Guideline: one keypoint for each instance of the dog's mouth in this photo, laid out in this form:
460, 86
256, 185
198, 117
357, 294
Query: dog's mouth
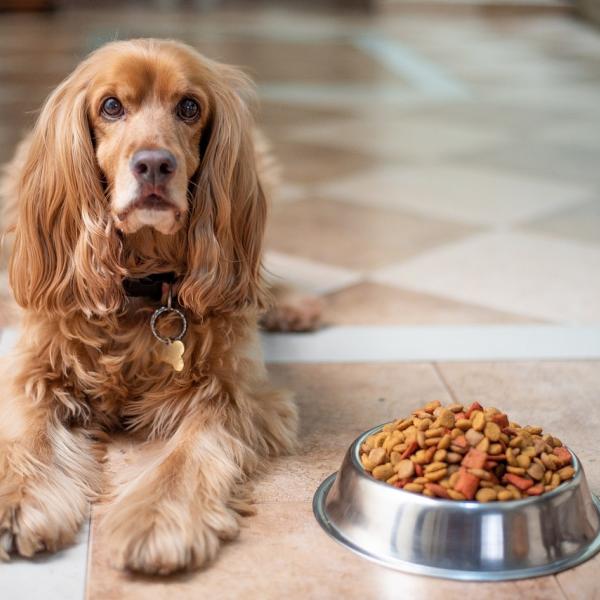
153, 202
151, 208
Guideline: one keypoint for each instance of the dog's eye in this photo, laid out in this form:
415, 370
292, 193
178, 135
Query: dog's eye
112, 108
188, 109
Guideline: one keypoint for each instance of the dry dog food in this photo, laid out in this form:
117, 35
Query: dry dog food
460, 453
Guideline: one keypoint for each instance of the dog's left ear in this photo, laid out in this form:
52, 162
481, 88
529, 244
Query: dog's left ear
228, 207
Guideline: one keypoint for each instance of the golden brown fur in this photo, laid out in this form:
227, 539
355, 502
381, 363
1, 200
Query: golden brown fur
87, 360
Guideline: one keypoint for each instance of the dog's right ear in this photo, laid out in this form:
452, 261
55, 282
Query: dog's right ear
65, 253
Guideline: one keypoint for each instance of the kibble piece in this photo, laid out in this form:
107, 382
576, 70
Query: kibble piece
435, 466
383, 472
484, 445
377, 456
505, 495
521, 483
405, 469
437, 490
566, 473
467, 484
536, 472
463, 424
473, 437
492, 431
486, 495
455, 495
478, 420
495, 449
453, 457
445, 419
440, 455
413, 487
431, 406
474, 459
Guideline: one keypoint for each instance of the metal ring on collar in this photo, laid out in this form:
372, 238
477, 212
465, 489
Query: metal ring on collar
161, 311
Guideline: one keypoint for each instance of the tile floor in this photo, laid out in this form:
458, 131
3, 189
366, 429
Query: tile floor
440, 169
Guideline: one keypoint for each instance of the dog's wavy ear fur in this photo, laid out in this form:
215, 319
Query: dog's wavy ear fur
65, 254
228, 206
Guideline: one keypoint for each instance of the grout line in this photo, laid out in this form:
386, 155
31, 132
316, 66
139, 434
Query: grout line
408, 64
444, 381
560, 587
88, 557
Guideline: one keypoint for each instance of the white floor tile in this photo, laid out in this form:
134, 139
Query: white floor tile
446, 343
306, 275
527, 274
475, 196
59, 576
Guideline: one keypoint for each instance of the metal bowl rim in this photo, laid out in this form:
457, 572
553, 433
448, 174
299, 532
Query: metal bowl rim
470, 505
318, 505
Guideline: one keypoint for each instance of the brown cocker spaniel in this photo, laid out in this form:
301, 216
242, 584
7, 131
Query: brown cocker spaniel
139, 189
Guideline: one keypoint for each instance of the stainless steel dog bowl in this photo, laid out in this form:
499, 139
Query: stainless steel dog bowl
458, 540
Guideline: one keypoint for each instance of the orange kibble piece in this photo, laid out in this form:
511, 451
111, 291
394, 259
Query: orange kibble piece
467, 484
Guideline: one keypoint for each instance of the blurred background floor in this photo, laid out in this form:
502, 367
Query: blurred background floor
440, 167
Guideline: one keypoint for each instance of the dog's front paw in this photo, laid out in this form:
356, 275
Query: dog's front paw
38, 515
164, 537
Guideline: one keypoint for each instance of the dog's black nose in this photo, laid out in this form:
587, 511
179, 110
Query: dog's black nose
153, 166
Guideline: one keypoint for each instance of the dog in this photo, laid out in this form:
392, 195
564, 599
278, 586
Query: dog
138, 205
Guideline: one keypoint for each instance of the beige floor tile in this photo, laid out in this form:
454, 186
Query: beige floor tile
313, 163
528, 274
582, 582
282, 553
355, 237
416, 139
476, 196
561, 397
368, 303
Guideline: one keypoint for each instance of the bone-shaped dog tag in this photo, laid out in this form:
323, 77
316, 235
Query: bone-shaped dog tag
172, 354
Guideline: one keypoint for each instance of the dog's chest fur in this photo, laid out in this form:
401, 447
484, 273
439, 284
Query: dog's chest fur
113, 367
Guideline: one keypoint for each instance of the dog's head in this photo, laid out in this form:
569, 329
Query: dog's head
144, 133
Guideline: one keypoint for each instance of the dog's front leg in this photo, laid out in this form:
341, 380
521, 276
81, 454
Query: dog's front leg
48, 472
175, 507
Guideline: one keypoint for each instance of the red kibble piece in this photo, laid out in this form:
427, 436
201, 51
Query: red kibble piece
519, 482
501, 420
467, 484
474, 406
460, 441
410, 450
563, 455
490, 464
460, 415
474, 459
439, 490
419, 470
535, 490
